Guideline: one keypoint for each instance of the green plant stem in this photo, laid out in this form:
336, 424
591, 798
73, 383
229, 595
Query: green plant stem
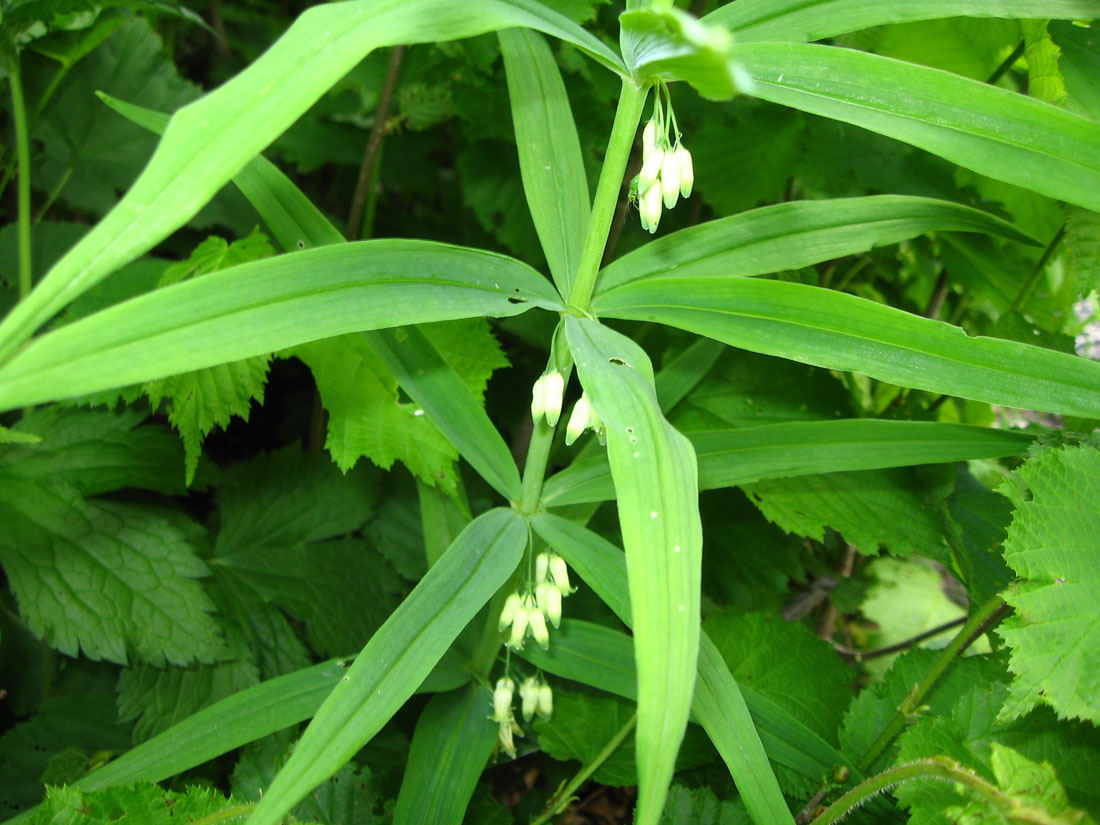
560, 800
979, 622
627, 115
236, 812
534, 467
23, 154
1037, 270
1006, 64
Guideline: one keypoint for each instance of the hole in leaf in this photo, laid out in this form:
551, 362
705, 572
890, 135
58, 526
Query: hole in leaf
517, 300
618, 362
301, 244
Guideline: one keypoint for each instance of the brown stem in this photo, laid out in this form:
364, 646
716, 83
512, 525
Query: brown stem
374, 142
863, 655
939, 295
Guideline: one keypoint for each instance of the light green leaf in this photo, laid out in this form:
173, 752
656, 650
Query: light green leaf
838, 331
669, 44
1082, 246
147, 804
699, 806
657, 491
799, 20
452, 742
1079, 64
422, 371
266, 306
797, 234
549, 151
108, 579
749, 454
991, 130
1054, 633
399, 656
1044, 79
210, 140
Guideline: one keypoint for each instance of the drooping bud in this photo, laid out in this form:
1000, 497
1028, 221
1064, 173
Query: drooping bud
508, 612
559, 573
502, 699
651, 170
542, 566
553, 389
505, 735
546, 701
538, 399
687, 171
649, 138
578, 419
550, 602
670, 179
529, 694
539, 629
519, 627
650, 208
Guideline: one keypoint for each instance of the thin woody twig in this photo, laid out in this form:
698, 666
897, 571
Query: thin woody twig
863, 655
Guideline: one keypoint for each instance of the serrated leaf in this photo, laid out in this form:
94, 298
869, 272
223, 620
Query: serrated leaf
1079, 64
869, 508
1082, 243
1045, 79
350, 797
107, 579
147, 804
1054, 633
699, 806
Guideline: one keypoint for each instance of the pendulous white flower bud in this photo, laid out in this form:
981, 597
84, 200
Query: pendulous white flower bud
546, 701
649, 138
529, 694
553, 387
508, 612
670, 179
687, 172
502, 699
519, 627
651, 169
542, 567
578, 420
551, 604
650, 208
559, 573
539, 629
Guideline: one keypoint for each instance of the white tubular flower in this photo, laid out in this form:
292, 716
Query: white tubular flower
519, 627
553, 385
529, 694
542, 566
670, 178
507, 729
578, 420
546, 701
559, 574
649, 138
687, 172
551, 604
502, 700
651, 169
650, 208
508, 612
539, 629
538, 399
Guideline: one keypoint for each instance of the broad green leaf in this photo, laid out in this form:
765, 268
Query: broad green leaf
700, 806
682, 373
249, 715
581, 650
991, 130
269, 305
799, 20
1053, 633
138, 803
452, 742
549, 151
796, 234
449, 403
1044, 79
1079, 63
749, 454
1082, 245
399, 656
669, 44
112, 580
657, 491
210, 140
351, 795
718, 704
839, 331
97, 452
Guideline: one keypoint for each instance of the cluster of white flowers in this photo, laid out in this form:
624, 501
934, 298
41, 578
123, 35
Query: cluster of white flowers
667, 172
528, 614
583, 418
535, 697
546, 397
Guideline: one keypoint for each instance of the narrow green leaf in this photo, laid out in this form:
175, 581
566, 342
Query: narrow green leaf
399, 656
550, 159
452, 742
210, 140
449, 403
797, 234
993, 131
744, 455
590, 654
799, 20
681, 374
269, 305
655, 481
838, 331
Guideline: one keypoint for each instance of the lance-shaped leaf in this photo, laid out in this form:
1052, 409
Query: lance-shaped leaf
550, 161
452, 742
837, 331
655, 481
210, 140
799, 20
269, 305
744, 455
993, 131
797, 234
449, 403
399, 656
